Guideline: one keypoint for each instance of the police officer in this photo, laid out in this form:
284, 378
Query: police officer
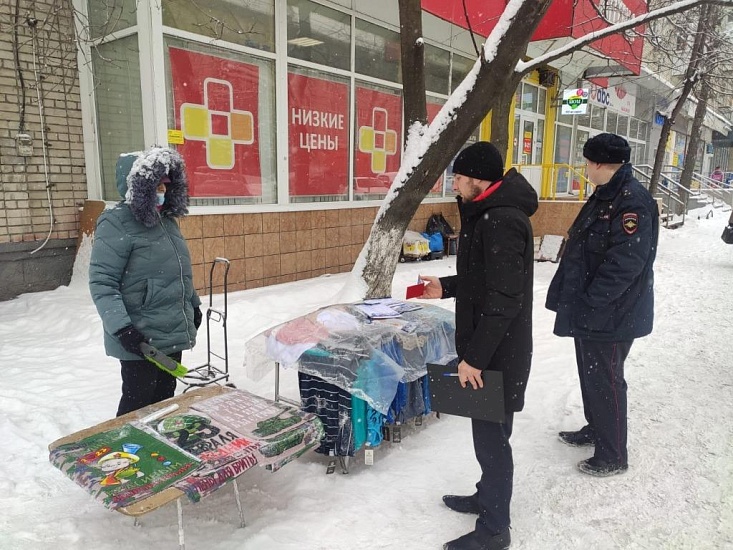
603, 294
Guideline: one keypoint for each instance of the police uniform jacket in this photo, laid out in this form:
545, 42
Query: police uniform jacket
604, 286
493, 284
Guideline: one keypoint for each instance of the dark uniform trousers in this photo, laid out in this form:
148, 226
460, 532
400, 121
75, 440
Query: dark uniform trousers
603, 387
494, 455
144, 384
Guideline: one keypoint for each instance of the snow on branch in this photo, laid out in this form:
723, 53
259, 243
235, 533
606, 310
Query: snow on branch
524, 67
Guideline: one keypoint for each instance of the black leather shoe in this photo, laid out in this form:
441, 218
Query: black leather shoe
464, 505
581, 438
600, 468
474, 541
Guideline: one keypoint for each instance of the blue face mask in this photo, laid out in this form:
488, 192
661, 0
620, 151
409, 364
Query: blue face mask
160, 198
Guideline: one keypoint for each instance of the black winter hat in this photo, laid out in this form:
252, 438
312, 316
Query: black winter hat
607, 149
481, 161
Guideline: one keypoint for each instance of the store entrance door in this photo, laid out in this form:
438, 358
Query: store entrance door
528, 132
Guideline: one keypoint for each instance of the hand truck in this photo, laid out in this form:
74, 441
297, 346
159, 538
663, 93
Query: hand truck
207, 373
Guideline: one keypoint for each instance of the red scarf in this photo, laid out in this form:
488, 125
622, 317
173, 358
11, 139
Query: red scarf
490, 189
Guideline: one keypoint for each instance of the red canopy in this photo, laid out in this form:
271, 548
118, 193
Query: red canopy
564, 19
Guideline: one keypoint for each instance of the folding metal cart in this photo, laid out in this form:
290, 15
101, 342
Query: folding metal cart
208, 373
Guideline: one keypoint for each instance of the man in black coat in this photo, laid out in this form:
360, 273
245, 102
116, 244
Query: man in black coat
603, 294
493, 292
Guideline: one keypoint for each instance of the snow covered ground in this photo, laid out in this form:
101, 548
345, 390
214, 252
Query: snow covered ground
677, 494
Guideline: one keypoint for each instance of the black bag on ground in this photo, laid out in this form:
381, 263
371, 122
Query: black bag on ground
727, 235
438, 224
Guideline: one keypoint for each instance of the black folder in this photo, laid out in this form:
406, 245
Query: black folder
447, 396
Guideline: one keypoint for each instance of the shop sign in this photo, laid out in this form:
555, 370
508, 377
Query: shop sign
575, 101
616, 98
318, 130
175, 137
527, 147
215, 101
378, 140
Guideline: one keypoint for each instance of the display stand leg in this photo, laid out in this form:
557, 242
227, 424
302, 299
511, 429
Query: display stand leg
279, 397
239, 503
181, 541
344, 461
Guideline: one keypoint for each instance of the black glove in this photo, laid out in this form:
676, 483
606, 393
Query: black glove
131, 338
197, 317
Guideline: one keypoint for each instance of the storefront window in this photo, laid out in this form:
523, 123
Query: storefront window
597, 117
319, 34
541, 99
107, 16
563, 136
460, 67
223, 103
565, 119
529, 98
643, 129
377, 52
318, 130
622, 127
245, 22
634, 128
116, 67
378, 140
437, 66
584, 119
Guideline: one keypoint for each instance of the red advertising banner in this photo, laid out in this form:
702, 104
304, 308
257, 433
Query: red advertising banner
318, 129
216, 102
378, 140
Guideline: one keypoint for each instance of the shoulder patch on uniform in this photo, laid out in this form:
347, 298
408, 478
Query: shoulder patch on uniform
630, 222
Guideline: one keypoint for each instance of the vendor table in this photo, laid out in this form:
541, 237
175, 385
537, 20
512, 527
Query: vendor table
358, 362
189, 445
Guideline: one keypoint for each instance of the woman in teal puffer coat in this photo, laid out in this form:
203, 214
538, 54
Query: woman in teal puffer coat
140, 274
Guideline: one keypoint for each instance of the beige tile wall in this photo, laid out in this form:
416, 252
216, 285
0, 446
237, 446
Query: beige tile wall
272, 248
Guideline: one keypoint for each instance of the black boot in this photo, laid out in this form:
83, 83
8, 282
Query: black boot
601, 468
464, 505
581, 438
474, 541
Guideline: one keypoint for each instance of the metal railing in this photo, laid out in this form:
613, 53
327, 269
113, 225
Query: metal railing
669, 190
674, 196
712, 190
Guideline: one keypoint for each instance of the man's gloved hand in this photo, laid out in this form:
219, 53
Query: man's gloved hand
197, 317
131, 338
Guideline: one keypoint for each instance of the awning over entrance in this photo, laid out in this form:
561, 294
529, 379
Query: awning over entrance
564, 19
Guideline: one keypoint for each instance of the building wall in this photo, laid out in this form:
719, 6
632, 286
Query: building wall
46, 68
280, 247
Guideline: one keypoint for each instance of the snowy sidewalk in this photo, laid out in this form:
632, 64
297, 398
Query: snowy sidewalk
678, 493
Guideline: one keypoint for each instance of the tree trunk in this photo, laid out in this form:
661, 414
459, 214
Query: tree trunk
500, 119
431, 148
691, 78
413, 63
694, 143
374, 270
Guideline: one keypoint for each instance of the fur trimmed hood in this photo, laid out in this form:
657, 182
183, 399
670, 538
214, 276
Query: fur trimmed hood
138, 175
